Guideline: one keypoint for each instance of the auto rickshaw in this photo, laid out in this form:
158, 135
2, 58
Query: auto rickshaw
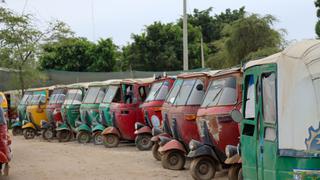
126, 113
4, 105
280, 119
22, 113
70, 111
182, 119
53, 112
36, 112
5, 142
151, 109
13, 99
89, 111
216, 127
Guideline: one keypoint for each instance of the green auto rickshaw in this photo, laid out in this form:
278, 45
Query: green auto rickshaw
22, 114
70, 112
89, 111
280, 119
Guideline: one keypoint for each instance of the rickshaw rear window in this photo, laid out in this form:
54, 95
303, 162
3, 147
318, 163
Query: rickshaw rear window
269, 97
221, 92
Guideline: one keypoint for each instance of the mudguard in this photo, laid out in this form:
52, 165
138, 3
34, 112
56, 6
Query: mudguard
84, 127
172, 145
28, 125
203, 150
17, 124
157, 138
3, 158
143, 130
111, 130
63, 127
98, 127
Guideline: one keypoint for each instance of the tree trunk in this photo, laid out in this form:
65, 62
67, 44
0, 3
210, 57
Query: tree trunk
22, 86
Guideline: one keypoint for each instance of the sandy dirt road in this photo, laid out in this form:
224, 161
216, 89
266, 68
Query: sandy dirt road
41, 160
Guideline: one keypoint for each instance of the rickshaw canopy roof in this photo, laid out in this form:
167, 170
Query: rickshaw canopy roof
198, 74
138, 81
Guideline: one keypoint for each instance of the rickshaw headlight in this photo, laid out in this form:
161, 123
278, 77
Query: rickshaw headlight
231, 150
193, 145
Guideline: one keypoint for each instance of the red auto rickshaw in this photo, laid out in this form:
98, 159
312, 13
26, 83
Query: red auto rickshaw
216, 127
53, 111
127, 112
5, 142
186, 97
151, 109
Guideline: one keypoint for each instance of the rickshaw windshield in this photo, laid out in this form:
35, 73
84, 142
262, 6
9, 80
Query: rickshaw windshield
74, 96
37, 98
57, 97
26, 98
111, 92
221, 92
94, 95
189, 94
174, 91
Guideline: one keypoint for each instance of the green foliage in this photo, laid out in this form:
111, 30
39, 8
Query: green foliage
79, 54
317, 4
246, 38
20, 40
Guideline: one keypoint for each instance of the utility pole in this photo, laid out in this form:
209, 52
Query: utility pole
202, 53
185, 37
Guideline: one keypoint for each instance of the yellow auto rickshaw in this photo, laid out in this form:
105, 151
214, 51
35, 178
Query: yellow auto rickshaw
4, 105
36, 112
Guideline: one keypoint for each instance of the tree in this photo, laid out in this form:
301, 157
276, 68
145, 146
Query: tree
246, 38
317, 4
20, 40
159, 48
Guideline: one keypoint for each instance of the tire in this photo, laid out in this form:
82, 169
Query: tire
29, 133
16, 131
83, 137
173, 160
240, 175
48, 134
156, 154
110, 140
233, 172
98, 138
64, 135
143, 142
202, 168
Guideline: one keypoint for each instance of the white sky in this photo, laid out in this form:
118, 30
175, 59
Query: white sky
119, 18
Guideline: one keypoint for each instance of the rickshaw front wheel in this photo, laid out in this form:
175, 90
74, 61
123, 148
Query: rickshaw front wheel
173, 160
202, 168
64, 135
143, 142
111, 140
83, 137
98, 138
233, 172
47, 134
29, 133
17, 131
156, 154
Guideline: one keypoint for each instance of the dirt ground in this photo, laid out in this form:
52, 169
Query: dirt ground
41, 160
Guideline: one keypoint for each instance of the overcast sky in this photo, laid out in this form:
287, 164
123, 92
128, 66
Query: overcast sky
117, 19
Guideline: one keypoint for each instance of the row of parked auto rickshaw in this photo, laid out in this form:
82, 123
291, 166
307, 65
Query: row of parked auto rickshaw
260, 121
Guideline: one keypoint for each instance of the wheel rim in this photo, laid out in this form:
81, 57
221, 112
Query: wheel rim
110, 139
48, 134
63, 135
29, 133
84, 137
204, 168
98, 139
173, 159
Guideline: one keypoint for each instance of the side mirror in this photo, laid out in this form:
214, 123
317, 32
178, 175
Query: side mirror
236, 115
199, 87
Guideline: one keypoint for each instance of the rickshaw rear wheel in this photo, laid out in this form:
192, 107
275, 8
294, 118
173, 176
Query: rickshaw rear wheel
29, 133
64, 135
143, 142
156, 154
240, 175
98, 138
173, 160
17, 131
48, 134
202, 168
83, 137
111, 140
233, 172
